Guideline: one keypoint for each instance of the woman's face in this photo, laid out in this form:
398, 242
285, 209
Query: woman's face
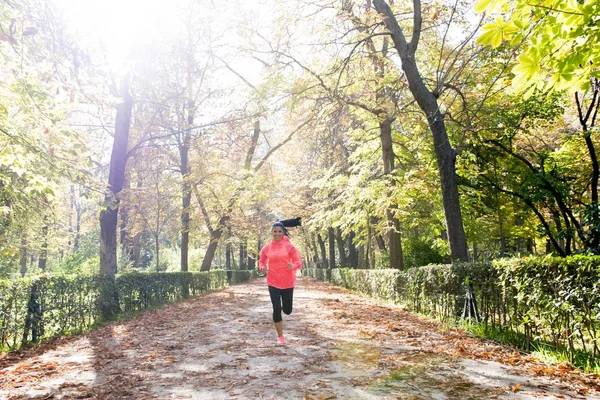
277, 233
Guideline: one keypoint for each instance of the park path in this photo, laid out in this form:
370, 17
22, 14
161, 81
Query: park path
340, 346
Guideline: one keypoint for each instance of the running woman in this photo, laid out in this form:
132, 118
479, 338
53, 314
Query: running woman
281, 260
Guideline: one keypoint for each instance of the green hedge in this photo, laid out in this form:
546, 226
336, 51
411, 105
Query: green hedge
32, 309
543, 299
236, 277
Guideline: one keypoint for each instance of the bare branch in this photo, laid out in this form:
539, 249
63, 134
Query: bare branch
417, 23
287, 139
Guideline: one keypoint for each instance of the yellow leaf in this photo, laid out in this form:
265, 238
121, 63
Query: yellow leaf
516, 387
488, 6
492, 35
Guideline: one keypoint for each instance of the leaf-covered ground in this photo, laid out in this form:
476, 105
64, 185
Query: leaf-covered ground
340, 345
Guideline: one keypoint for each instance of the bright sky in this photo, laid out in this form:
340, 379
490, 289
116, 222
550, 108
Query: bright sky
118, 24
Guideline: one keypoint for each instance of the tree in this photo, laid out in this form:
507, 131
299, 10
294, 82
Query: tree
118, 161
427, 101
558, 52
40, 151
109, 215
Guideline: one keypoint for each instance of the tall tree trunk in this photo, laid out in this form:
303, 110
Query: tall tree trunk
109, 216
371, 260
352, 252
500, 222
42, 261
323, 251
157, 251
587, 126
23, 255
341, 248
501, 232
251, 259
317, 259
71, 210
210, 251
134, 249
380, 242
243, 254
77, 226
228, 253
186, 198
215, 237
184, 167
362, 257
310, 252
331, 236
393, 229
124, 240
427, 101
134, 252
116, 177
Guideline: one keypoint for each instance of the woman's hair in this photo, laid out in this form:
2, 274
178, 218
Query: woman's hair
280, 225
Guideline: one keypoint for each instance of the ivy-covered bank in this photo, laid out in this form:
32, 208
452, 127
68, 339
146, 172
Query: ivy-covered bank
549, 301
37, 308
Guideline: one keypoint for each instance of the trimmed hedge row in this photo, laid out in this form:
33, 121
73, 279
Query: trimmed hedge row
544, 299
47, 306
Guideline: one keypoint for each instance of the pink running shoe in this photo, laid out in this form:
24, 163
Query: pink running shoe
280, 340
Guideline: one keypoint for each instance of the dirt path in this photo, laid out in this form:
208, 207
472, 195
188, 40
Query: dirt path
340, 345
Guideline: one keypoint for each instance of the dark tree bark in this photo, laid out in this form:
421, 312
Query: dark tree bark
124, 240
243, 255
341, 243
184, 141
23, 256
135, 251
363, 262
42, 261
318, 262
323, 250
393, 230
71, 210
186, 197
352, 251
77, 225
587, 119
215, 236
250, 259
380, 242
134, 248
109, 216
427, 101
331, 237
228, 252
116, 177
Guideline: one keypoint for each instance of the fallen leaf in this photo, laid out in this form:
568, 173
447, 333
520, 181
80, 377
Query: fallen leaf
516, 387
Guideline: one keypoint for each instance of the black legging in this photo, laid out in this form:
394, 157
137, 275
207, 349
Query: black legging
279, 297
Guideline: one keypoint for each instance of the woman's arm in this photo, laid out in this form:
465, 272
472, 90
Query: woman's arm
295, 257
262, 261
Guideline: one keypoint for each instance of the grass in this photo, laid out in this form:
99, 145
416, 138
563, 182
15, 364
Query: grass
544, 351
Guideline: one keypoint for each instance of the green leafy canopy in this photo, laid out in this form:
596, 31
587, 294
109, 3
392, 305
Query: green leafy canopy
560, 41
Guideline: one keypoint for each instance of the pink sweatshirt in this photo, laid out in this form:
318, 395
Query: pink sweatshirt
277, 255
